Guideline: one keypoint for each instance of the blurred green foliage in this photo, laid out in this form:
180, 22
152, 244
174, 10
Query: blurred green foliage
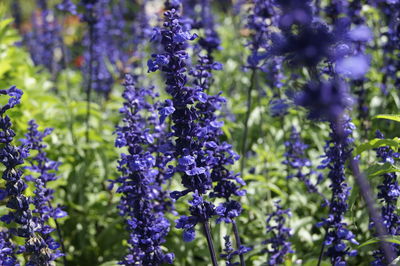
94, 233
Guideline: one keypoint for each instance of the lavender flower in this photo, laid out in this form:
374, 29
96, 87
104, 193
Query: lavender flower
44, 248
139, 185
278, 244
219, 155
126, 38
389, 192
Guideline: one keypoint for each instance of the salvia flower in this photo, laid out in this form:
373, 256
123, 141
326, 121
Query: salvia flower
325, 100
12, 158
297, 161
295, 12
229, 253
337, 152
43, 248
278, 245
389, 192
192, 163
210, 41
45, 38
97, 75
7, 249
67, 6
219, 154
201, 156
390, 10
307, 47
139, 185
263, 16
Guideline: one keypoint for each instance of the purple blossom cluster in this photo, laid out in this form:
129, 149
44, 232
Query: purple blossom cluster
296, 160
43, 247
67, 6
12, 158
229, 252
391, 49
323, 44
278, 245
337, 152
45, 38
201, 157
7, 249
260, 21
29, 223
312, 44
98, 76
140, 183
389, 192
196, 128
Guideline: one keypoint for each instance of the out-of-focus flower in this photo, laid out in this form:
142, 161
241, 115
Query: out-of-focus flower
354, 67
67, 6
325, 100
278, 245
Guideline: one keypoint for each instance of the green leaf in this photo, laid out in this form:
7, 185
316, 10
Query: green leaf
395, 118
376, 143
314, 262
380, 169
389, 239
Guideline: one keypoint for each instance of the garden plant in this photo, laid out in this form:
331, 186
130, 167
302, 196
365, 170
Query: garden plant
199, 132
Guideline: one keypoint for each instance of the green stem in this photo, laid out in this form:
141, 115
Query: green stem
89, 84
238, 242
246, 121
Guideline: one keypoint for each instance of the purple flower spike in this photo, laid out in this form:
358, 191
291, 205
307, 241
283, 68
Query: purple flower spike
278, 245
144, 202
42, 199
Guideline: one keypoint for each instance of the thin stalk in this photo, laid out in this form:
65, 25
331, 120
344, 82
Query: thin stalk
89, 83
58, 229
321, 251
210, 243
246, 121
238, 242
366, 193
